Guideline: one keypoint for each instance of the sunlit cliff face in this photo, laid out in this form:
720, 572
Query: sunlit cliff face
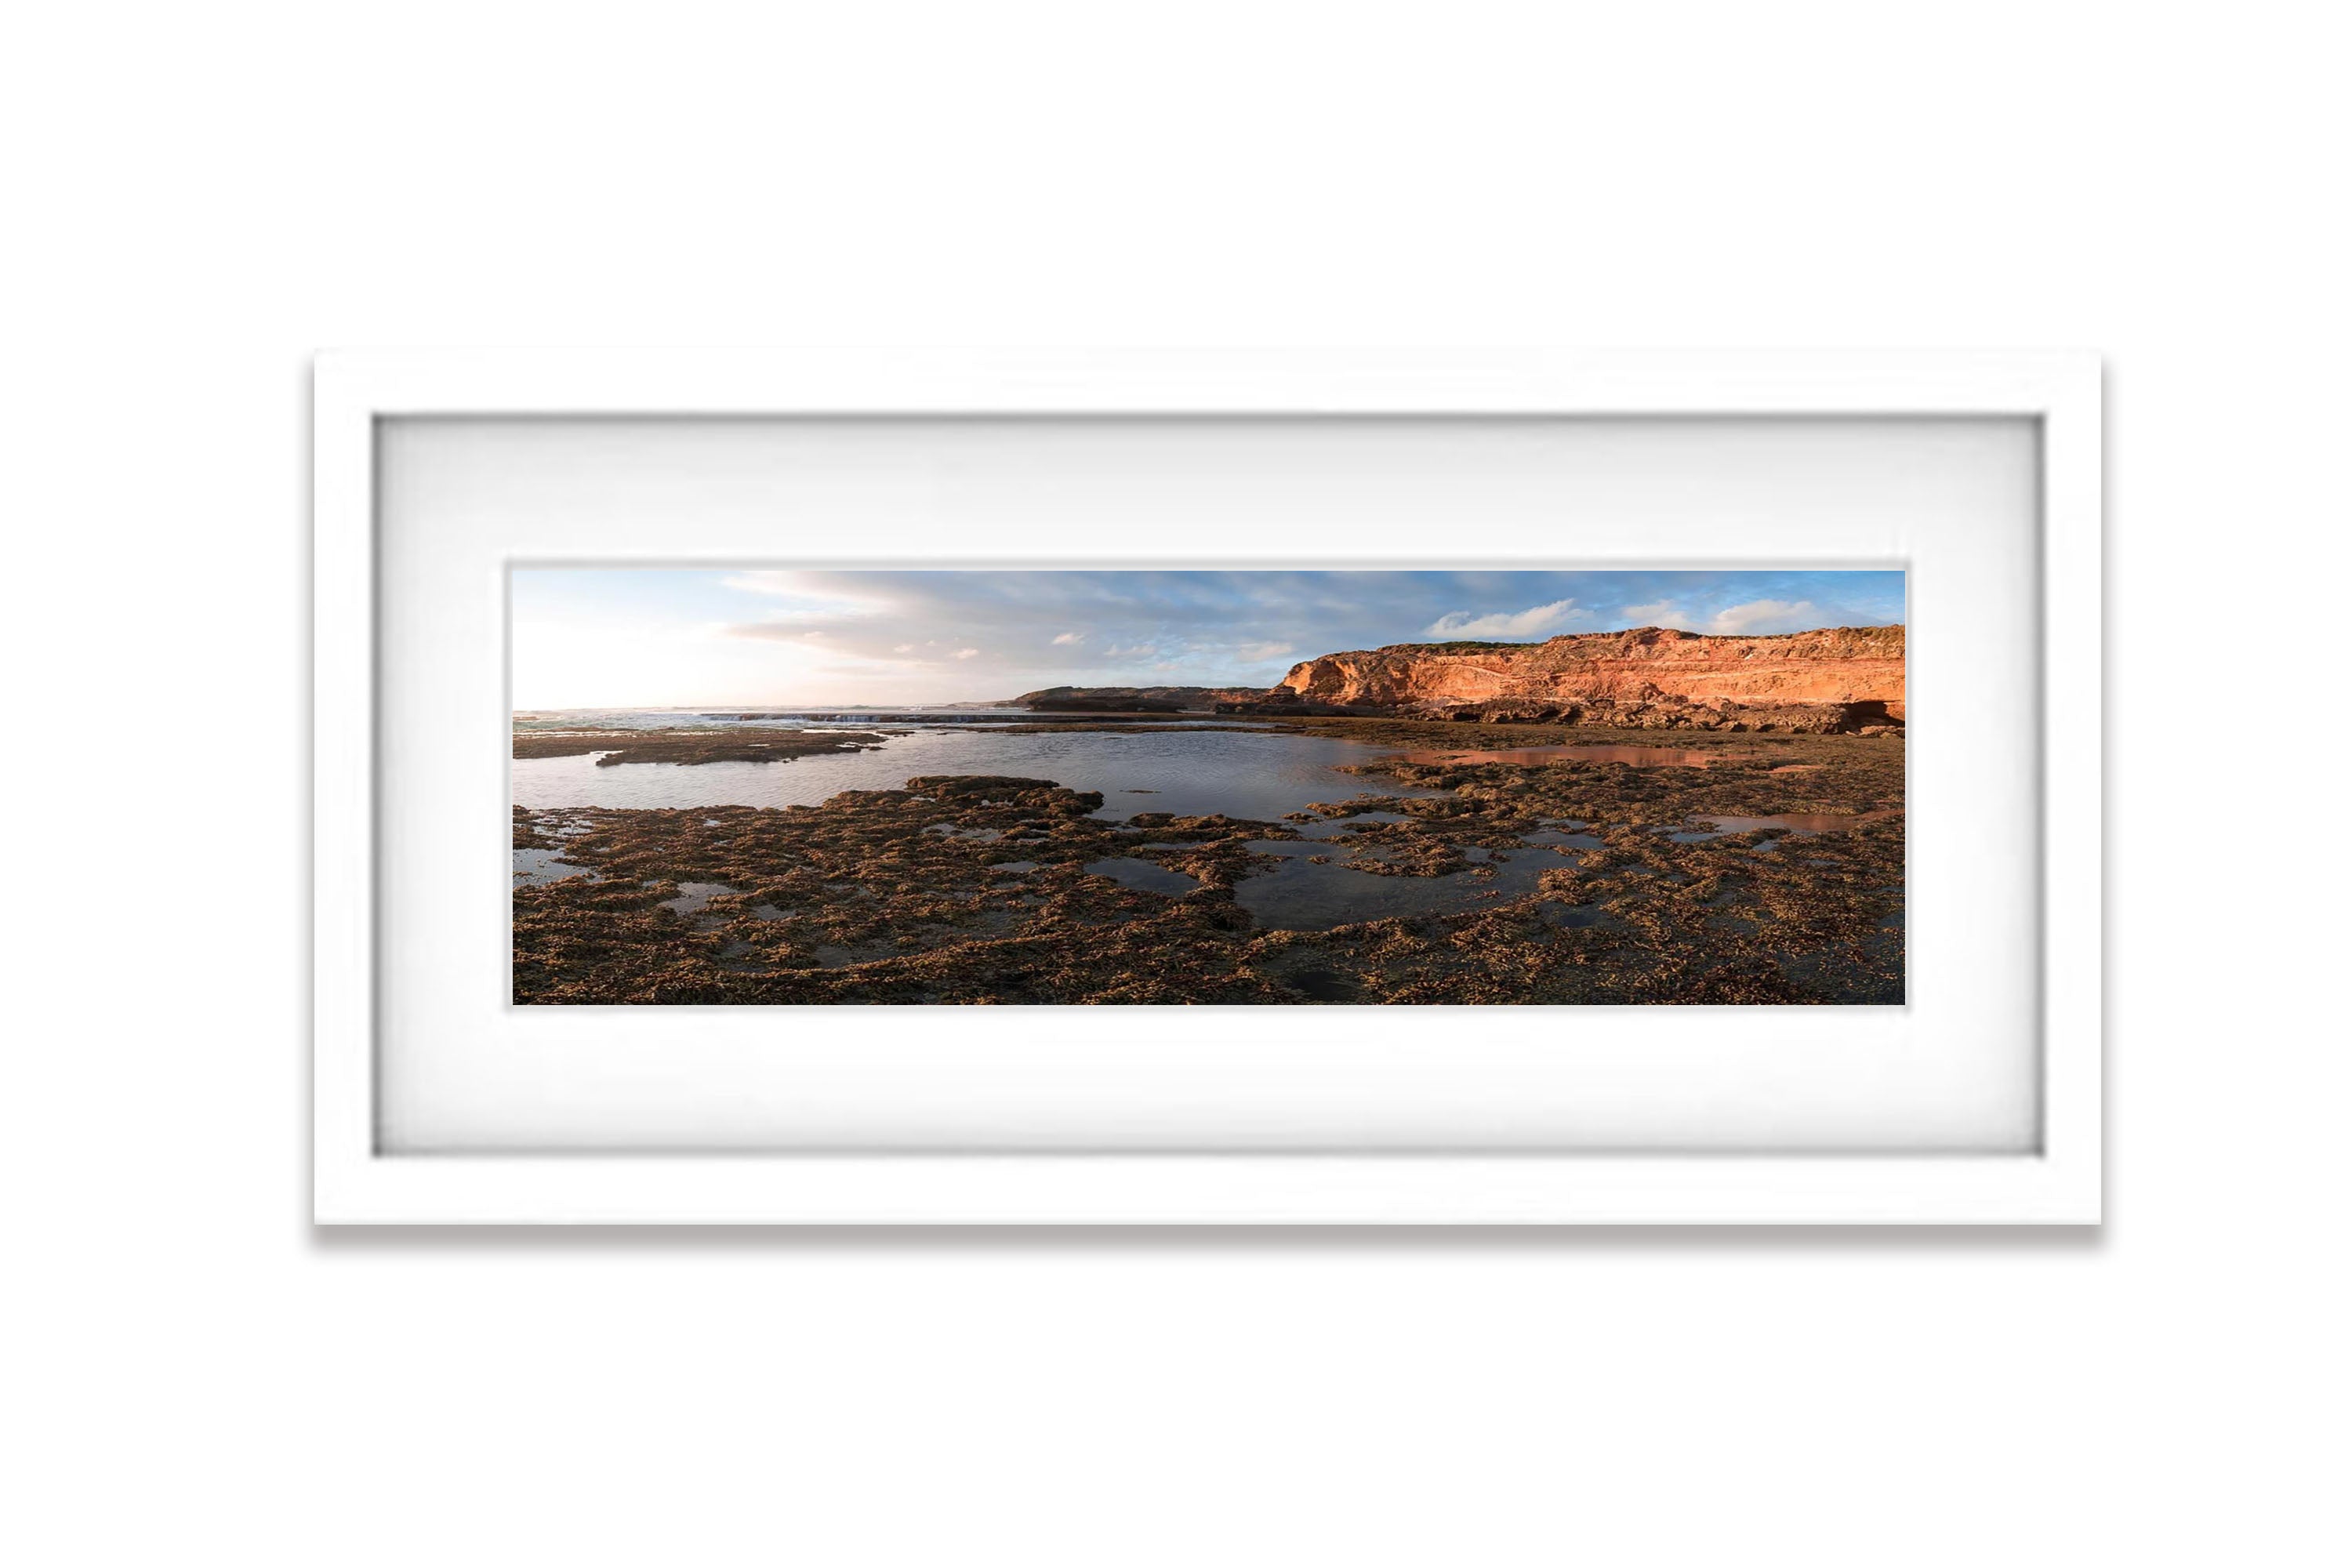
1843, 665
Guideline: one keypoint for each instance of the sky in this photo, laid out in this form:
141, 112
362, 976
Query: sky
635, 636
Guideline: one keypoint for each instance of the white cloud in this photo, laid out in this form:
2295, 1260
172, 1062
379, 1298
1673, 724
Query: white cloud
1069, 639
770, 631
1762, 618
817, 588
1664, 613
1529, 622
965, 653
1755, 618
1264, 652
791, 583
904, 647
816, 597
796, 624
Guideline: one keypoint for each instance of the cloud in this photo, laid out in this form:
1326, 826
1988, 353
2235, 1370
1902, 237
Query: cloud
745, 634
1664, 613
770, 631
833, 590
1754, 618
1762, 618
766, 583
1530, 623
804, 624
812, 595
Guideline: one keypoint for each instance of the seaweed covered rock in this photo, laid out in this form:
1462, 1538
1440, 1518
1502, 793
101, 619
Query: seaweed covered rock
1042, 794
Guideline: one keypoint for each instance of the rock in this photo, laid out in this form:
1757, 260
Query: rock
1281, 704
1834, 679
1131, 699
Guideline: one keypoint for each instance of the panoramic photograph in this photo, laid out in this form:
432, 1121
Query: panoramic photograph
762, 786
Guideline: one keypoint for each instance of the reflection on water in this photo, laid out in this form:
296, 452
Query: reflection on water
1322, 984
1342, 826
693, 896
1299, 895
1536, 756
533, 867
564, 720
1564, 838
571, 721
1143, 873
1191, 773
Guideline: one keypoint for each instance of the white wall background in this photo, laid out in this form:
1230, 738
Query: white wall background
198, 196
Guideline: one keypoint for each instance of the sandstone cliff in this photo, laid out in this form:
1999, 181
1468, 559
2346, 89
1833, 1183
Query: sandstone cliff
1836, 679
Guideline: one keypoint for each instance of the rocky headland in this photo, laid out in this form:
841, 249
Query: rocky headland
1839, 680
1133, 698
1836, 680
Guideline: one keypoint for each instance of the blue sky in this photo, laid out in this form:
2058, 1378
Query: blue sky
624, 637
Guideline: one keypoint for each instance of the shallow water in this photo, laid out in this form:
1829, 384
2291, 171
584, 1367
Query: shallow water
533, 867
1299, 895
1565, 837
693, 896
555, 720
1143, 873
1536, 756
558, 720
1342, 827
1258, 775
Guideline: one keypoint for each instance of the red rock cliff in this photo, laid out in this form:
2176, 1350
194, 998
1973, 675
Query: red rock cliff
1647, 676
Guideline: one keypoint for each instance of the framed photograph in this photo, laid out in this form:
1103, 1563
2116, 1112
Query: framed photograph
1173, 789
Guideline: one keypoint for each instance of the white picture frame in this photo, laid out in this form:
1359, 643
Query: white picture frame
358, 1181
